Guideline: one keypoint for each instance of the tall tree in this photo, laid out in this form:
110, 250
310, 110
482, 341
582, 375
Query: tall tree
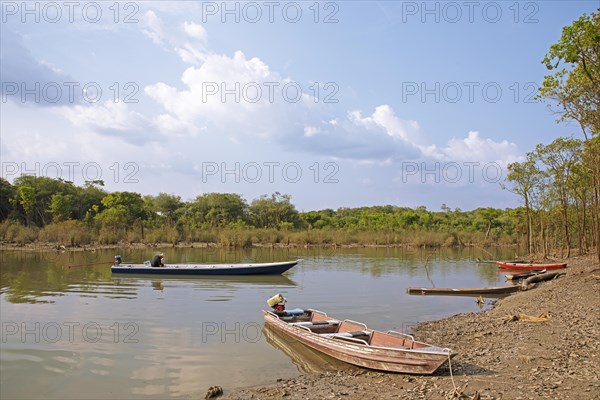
525, 177
575, 83
574, 87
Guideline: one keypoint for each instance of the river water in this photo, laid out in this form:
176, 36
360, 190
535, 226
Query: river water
82, 333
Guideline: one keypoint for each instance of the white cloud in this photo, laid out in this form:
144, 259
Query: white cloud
311, 131
475, 148
195, 31
153, 27
109, 115
384, 117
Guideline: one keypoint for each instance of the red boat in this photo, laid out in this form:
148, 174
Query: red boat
519, 266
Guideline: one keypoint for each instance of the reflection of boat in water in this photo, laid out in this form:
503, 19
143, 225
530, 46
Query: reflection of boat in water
273, 280
306, 359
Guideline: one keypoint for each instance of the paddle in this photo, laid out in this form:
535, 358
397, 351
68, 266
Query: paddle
88, 264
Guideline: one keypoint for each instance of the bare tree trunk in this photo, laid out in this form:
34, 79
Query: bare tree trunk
566, 224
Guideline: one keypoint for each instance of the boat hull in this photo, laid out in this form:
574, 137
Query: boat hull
520, 266
401, 360
276, 268
498, 290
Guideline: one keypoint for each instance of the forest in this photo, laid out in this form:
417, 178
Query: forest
57, 211
558, 184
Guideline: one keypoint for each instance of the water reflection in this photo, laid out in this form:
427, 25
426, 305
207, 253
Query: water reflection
306, 359
174, 336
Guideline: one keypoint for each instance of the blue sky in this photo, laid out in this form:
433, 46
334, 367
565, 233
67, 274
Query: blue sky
339, 104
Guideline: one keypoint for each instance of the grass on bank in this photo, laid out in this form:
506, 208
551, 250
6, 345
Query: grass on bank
76, 233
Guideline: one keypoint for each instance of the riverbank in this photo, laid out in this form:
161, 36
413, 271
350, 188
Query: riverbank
499, 355
51, 246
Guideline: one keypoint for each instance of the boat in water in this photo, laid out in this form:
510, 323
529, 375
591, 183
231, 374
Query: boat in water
272, 268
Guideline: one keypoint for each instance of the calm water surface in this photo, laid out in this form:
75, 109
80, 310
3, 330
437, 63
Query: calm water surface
81, 332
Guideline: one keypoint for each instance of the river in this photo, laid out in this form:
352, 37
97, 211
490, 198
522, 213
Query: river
84, 333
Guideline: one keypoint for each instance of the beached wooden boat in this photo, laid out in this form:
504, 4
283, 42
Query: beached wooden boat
354, 343
519, 266
523, 275
274, 268
465, 291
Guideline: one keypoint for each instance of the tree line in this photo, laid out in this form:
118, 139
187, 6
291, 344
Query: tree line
559, 182
57, 210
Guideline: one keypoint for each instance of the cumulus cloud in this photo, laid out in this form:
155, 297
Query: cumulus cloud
22, 71
153, 27
113, 119
474, 147
241, 97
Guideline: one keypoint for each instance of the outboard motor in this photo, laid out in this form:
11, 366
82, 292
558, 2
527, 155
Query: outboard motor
277, 302
118, 260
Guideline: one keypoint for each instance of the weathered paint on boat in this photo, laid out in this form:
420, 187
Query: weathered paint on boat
519, 266
464, 291
354, 343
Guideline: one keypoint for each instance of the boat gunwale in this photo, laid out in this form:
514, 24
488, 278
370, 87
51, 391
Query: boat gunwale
328, 339
209, 266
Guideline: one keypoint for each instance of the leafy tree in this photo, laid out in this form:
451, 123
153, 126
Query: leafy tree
270, 212
526, 178
62, 206
218, 209
575, 84
122, 210
7, 192
27, 199
560, 157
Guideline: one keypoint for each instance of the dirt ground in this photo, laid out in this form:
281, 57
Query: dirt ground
499, 356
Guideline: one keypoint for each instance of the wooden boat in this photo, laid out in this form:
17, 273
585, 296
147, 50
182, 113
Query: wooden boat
465, 291
523, 275
519, 266
354, 343
274, 268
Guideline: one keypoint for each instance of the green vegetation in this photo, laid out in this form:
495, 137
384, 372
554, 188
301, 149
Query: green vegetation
50, 210
561, 181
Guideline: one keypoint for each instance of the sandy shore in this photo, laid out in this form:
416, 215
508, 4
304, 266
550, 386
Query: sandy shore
499, 356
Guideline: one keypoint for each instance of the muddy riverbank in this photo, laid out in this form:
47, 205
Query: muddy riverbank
500, 356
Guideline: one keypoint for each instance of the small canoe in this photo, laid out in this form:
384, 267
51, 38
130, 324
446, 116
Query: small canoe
518, 266
274, 268
354, 343
465, 291
523, 275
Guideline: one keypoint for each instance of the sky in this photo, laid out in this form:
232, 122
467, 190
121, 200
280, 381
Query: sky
336, 103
